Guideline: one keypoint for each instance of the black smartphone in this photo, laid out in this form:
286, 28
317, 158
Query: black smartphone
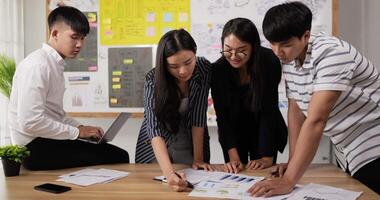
53, 188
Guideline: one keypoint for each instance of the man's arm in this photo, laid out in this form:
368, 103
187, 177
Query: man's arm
307, 144
71, 121
295, 120
311, 132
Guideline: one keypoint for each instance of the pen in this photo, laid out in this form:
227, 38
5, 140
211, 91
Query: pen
189, 185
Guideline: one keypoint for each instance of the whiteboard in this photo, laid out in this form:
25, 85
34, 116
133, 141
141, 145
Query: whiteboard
89, 91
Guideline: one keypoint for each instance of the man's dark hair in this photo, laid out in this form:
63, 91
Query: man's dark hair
287, 20
70, 16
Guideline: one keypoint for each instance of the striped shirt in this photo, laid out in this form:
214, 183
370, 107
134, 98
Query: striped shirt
198, 101
354, 122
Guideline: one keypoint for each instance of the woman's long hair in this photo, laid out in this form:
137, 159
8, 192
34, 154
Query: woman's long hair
166, 92
246, 31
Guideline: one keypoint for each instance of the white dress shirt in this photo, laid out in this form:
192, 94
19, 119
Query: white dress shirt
36, 102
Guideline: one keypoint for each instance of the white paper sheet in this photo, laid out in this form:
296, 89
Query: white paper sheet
88, 176
323, 192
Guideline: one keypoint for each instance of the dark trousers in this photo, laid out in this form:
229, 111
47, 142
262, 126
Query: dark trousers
48, 154
369, 175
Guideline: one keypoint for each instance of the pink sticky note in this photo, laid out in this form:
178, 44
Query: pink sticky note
93, 68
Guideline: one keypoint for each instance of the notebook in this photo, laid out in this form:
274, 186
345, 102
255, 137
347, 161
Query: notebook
112, 130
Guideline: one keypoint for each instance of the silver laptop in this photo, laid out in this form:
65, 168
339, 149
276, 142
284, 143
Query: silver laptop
112, 130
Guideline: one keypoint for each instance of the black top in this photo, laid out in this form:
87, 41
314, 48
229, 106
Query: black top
260, 133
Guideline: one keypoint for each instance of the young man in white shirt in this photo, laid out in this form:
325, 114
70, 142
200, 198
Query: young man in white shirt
36, 116
332, 90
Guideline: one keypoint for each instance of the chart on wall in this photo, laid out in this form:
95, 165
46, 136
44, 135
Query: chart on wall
142, 21
127, 69
209, 17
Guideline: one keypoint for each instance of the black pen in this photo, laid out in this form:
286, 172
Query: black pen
189, 185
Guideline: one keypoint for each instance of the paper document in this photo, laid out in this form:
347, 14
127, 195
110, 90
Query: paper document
314, 191
196, 176
86, 177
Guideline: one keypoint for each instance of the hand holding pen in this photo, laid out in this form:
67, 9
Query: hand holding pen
178, 182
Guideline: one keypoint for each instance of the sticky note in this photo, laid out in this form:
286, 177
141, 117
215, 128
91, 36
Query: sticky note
107, 27
92, 68
115, 79
113, 100
106, 21
116, 86
183, 17
108, 33
151, 31
168, 17
151, 17
116, 73
91, 17
93, 25
128, 61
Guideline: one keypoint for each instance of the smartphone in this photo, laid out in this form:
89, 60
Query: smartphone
53, 188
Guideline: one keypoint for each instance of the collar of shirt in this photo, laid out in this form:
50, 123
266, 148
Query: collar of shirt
308, 57
55, 55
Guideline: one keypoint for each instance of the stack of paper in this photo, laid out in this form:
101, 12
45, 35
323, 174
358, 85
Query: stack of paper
316, 191
86, 177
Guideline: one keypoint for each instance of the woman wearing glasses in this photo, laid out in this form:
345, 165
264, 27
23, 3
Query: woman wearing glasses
245, 93
174, 129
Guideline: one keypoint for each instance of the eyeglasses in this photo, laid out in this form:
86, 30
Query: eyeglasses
228, 54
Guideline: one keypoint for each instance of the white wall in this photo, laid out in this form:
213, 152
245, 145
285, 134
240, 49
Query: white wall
358, 24
35, 24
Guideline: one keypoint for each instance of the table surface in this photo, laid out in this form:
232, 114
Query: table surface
140, 184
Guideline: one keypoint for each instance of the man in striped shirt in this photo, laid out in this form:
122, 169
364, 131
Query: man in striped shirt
332, 90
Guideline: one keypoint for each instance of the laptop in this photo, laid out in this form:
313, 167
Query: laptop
112, 130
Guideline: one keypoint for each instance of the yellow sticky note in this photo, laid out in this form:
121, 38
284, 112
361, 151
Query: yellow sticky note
107, 21
113, 100
91, 17
116, 73
115, 79
128, 61
116, 86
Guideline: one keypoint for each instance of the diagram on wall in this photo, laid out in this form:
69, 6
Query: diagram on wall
207, 37
127, 68
141, 22
207, 24
87, 59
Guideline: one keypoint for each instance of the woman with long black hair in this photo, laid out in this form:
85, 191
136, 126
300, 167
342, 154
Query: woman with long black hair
245, 93
174, 129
